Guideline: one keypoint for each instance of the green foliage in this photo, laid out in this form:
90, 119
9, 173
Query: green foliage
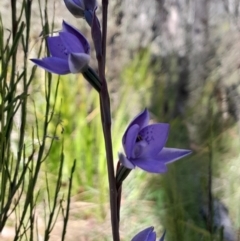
24, 145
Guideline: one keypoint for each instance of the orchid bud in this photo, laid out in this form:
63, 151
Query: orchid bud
82, 9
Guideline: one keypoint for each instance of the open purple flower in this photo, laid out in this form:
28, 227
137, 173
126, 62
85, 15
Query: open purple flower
81, 8
144, 146
69, 52
147, 235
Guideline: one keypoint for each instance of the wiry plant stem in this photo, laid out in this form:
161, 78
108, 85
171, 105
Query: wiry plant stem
106, 124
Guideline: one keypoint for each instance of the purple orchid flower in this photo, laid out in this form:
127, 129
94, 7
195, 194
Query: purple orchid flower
81, 8
144, 146
147, 235
69, 52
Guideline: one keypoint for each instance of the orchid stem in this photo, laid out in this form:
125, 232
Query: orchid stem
106, 125
110, 165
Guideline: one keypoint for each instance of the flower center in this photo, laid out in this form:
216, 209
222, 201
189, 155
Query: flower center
139, 148
139, 138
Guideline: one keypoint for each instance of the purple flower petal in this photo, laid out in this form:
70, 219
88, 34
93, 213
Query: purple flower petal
75, 7
156, 136
130, 140
141, 120
90, 4
168, 155
53, 65
78, 61
56, 47
70, 29
152, 165
151, 237
80, 3
145, 235
71, 43
125, 162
